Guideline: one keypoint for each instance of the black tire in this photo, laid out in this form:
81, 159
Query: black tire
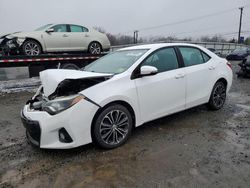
70, 66
218, 96
95, 48
107, 134
31, 48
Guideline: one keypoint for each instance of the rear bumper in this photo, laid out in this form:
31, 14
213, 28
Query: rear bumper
105, 47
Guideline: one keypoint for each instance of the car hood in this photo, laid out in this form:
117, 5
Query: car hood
10, 35
20, 34
58, 82
2, 35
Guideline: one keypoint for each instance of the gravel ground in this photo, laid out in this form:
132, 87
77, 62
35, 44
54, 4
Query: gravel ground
194, 148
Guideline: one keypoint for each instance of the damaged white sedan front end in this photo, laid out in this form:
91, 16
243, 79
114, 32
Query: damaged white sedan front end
51, 117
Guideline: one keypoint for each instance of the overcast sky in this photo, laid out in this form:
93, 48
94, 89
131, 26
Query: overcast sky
124, 16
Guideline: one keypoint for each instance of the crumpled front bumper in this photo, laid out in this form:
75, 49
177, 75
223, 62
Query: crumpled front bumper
9, 46
43, 128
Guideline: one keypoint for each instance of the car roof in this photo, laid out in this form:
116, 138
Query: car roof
158, 45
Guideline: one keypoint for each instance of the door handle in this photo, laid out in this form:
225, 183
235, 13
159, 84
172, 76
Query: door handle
65, 35
178, 76
211, 68
86, 35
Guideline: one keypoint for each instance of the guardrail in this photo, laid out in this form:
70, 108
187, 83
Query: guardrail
223, 48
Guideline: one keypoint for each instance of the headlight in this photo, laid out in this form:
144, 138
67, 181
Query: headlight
59, 105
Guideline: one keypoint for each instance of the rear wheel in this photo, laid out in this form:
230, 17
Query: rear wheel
218, 96
112, 127
31, 48
95, 48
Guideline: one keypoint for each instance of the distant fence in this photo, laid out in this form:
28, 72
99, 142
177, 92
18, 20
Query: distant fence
223, 48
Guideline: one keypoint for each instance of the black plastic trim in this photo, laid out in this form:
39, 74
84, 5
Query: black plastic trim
67, 138
33, 130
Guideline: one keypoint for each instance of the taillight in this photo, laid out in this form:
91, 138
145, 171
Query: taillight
229, 64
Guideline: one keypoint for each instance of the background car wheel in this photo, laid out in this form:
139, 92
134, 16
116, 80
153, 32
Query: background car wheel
95, 48
70, 66
112, 127
31, 48
218, 96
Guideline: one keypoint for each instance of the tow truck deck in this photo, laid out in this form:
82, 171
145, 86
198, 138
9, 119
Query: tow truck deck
48, 61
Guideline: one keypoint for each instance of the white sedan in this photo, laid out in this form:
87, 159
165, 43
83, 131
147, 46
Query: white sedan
56, 38
121, 91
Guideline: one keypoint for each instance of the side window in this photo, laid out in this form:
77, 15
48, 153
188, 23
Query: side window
60, 28
205, 57
77, 28
164, 60
191, 56
85, 29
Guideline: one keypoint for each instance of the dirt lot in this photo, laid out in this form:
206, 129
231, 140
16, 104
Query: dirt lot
195, 148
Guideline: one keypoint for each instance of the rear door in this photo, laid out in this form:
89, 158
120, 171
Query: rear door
163, 93
57, 40
79, 38
199, 69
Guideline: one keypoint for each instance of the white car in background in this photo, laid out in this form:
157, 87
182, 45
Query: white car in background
56, 38
123, 90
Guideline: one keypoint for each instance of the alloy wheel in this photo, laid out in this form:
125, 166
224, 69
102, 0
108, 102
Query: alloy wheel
32, 48
219, 95
114, 127
95, 48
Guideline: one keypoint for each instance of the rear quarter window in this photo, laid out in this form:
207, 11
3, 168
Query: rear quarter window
205, 57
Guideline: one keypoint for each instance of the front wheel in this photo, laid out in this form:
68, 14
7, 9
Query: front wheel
218, 96
31, 48
95, 48
112, 127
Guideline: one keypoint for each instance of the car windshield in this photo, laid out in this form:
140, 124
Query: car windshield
116, 62
43, 27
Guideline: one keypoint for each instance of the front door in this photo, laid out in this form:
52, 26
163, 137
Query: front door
79, 38
58, 40
163, 93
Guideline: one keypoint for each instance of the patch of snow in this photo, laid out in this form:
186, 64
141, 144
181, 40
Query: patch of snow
14, 86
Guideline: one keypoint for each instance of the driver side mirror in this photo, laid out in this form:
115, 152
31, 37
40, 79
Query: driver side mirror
148, 70
50, 30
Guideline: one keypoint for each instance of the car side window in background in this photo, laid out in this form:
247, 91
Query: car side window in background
191, 56
164, 60
77, 28
60, 28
